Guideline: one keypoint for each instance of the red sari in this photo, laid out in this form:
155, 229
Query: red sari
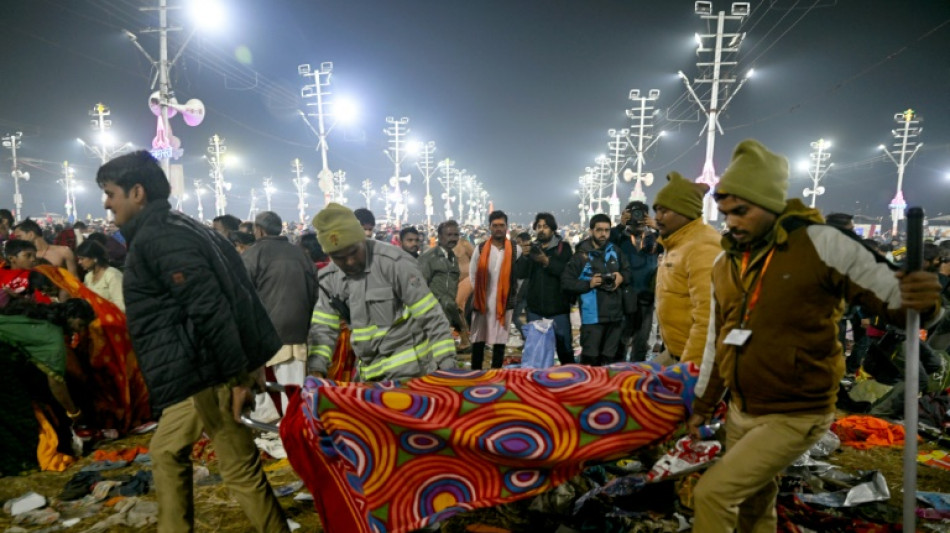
119, 393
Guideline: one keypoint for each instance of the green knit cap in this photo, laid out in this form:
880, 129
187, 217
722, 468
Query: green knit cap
337, 228
682, 196
757, 175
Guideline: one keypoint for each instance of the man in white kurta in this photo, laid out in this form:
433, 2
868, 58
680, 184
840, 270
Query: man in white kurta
494, 291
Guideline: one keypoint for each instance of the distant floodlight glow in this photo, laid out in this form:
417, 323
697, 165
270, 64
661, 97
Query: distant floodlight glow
231, 161
207, 14
804, 166
699, 40
750, 73
346, 110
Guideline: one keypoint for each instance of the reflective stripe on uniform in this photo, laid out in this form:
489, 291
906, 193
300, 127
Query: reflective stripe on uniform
326, 319
368, 333
321, 350
423, 306
443, 347
375, 370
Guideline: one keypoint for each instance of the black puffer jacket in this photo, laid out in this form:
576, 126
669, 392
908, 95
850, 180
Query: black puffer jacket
194, 317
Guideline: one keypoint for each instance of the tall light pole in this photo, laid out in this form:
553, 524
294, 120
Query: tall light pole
641, 139
12, 141
818, 166
602, 171
268, 191
300, 184
449, 172
199, 190
618, 146
905, 147
163, 102
104, 149
340, 187
317, 92
69, 185
425, 165
397, 131
368, 193
712, 73
216, 149
252, 212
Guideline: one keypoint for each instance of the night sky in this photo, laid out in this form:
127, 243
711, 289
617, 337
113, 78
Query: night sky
520, 93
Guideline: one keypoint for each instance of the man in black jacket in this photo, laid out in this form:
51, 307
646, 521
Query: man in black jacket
542, 267
286, 281
202, 337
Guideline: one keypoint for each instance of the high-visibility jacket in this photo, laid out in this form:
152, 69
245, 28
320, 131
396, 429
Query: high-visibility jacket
398, 329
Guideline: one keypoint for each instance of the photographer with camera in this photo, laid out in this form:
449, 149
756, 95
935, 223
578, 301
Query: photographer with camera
541, 268
597, 272
636, 238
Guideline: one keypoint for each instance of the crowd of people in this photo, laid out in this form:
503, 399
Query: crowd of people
213, 312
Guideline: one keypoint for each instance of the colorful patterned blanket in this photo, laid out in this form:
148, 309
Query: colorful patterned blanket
392, 457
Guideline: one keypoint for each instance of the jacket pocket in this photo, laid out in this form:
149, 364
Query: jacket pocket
380, 306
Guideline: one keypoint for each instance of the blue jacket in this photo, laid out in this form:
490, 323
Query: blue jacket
596, 305
642, 259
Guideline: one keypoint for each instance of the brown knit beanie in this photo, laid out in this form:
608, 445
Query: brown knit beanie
682, 196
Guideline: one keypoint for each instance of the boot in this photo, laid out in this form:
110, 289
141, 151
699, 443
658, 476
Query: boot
478, 355
497, 355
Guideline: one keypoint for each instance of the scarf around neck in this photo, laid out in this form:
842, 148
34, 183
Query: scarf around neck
504, 281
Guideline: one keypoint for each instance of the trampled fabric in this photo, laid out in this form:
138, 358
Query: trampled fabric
120, 395
393, 457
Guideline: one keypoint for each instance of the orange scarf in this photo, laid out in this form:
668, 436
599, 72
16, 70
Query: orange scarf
504, 281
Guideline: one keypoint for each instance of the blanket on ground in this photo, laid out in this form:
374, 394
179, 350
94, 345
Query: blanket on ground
393, 457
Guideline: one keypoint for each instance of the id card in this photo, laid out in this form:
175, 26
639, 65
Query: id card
738, 337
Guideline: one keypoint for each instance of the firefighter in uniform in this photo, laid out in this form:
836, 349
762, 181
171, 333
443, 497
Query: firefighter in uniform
398, 328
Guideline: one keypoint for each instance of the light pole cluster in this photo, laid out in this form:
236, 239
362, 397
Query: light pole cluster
216, 150
719, 72
818, 166
903, 149
12, 141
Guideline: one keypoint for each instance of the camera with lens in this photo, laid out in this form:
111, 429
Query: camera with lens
609, 278
536, 248
638, 216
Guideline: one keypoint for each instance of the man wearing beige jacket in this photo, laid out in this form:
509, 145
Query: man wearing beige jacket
685, 270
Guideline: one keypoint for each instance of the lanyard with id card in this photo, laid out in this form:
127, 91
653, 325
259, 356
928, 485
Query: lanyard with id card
740, 335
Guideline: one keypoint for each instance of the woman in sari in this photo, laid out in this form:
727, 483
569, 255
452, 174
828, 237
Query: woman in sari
38, 408
104, 364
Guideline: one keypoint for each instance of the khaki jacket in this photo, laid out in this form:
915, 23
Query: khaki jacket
682, 289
